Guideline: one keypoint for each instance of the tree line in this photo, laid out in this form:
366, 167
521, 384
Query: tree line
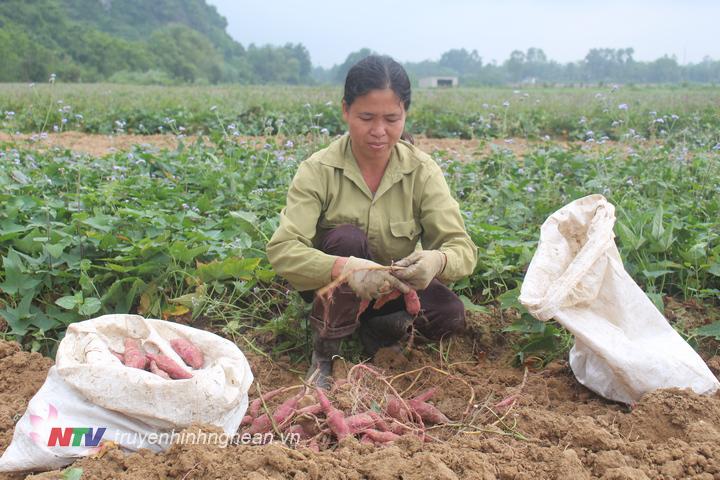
185, 41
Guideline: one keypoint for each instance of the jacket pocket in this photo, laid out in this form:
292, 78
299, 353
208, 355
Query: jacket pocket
408, 229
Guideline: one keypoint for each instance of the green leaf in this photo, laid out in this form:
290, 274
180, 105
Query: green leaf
628, 238
541, 344
657, 224
509, 299
248, 217
711, 330
714, 269
16, 281
653, 274
695, 253
72, 474
526, 324
235, 268
89, 306
101, 222
9, 229
657, 300
55, 249
471, 307
191, 300
181, 252
20, 177
18, 318
265, 274
42, 321
68, 302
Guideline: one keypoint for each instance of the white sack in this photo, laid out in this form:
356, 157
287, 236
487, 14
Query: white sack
624, 347
90, 387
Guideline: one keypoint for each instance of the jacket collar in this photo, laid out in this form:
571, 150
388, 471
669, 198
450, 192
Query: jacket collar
402, 159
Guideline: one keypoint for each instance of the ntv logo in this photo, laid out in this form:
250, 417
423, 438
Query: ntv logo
63, 437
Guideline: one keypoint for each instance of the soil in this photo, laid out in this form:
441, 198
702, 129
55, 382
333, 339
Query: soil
100, 145
556, 429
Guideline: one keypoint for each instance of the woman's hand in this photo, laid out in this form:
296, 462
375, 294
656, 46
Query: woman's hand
369, 279
420, 268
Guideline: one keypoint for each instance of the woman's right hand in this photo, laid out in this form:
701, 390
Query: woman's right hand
370, 280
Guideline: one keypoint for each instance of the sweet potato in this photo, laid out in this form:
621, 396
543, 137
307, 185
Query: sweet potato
261, 424
395, 408
334, 417
169, 366
380, 437
361, 308
386, 298
284, 412
310, 409
412, 302
426, 395
190, 354
428, 413
506, 403
134, 356
247, 420
157, 371
360, 422
298, 430
286, 409
254, 408
380, 423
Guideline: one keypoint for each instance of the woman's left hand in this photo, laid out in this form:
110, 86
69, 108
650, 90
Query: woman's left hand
420, 268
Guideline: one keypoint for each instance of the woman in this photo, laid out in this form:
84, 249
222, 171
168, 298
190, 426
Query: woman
366, 200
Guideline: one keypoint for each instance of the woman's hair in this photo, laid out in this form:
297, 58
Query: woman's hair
377, 72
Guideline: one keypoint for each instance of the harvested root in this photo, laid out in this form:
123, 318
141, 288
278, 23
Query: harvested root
412, 301
161, 365
156, 370
168, 365
372, 411
134, 356
190, 353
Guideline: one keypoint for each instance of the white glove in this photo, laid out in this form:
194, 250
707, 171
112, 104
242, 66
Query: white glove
369, 280
420, 268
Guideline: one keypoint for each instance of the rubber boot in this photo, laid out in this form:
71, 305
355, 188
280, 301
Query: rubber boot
384, 331
320, 371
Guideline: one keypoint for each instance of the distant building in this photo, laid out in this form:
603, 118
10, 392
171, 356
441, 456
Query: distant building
435, 82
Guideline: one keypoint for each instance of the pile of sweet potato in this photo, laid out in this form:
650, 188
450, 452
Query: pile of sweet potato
312, 416
135, 357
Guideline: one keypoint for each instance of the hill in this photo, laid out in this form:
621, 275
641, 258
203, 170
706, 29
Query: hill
159, 41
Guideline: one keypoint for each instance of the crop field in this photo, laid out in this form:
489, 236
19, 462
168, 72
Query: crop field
180, 233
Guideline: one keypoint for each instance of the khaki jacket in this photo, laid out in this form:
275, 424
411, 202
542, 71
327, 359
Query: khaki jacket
413, 203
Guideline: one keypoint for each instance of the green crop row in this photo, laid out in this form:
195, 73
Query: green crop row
183, 233
688, 114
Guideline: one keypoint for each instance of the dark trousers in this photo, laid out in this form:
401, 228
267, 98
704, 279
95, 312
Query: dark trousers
442, 312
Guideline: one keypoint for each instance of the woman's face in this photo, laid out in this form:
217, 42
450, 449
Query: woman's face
375, 121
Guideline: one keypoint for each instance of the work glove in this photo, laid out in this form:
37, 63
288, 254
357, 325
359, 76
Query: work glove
368, 282
420, 268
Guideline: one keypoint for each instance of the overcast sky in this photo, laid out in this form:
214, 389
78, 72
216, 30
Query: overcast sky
424, 29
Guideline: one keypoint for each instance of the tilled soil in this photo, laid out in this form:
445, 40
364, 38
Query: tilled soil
558, 428
101, 145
